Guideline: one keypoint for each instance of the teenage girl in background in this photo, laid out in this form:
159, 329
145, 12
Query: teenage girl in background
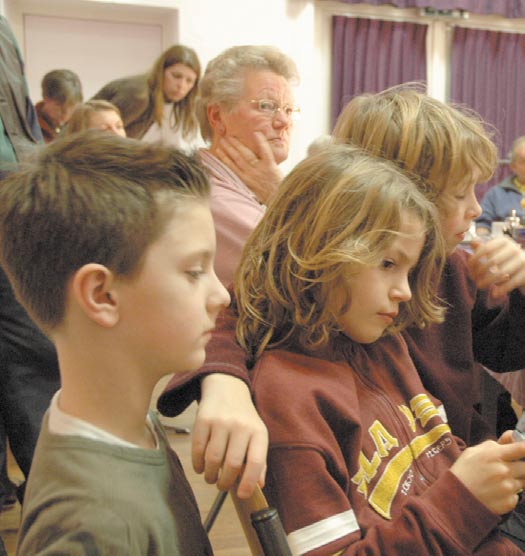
160, 105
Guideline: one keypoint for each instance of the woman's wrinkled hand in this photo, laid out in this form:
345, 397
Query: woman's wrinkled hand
258, 170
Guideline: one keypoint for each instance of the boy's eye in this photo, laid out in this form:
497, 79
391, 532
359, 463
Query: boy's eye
387, 263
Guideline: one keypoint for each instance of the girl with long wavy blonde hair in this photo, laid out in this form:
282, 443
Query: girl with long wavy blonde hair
335, 213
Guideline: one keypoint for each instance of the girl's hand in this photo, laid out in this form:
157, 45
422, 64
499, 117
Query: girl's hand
493, 472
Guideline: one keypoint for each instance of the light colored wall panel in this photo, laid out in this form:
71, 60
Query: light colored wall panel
97, 51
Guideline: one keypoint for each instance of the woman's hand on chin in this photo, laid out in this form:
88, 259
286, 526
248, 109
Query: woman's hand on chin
258, 170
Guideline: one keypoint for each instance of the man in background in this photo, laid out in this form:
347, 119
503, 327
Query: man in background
508, 195
61, 94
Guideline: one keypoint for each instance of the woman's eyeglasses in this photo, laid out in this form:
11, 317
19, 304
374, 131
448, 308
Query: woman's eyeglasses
271, 107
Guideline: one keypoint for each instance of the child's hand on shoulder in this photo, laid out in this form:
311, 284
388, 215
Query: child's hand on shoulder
494, 472
499, 265
229, 439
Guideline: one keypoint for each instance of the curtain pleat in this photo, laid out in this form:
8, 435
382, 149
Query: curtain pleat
487, 75
369, 55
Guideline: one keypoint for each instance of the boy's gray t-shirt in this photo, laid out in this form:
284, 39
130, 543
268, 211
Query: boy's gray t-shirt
86, 497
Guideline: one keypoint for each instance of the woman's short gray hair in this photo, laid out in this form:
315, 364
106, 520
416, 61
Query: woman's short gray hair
223, 80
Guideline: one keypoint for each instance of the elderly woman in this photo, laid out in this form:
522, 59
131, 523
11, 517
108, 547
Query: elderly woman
246, 111
160, 105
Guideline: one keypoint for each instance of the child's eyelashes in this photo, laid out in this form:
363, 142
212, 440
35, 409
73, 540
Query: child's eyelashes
462, 193
195, 274
387, 263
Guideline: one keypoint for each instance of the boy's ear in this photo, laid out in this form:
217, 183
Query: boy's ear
92, 288
214, 112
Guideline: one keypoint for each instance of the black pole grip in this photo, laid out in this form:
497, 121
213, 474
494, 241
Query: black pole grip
270, 531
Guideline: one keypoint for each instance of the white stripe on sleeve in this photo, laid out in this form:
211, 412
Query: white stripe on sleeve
322, 532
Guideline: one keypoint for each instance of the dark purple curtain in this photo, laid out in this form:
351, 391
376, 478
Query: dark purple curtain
507, 8
487, 75
369, 55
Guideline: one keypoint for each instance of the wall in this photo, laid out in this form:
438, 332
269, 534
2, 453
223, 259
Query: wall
97, 41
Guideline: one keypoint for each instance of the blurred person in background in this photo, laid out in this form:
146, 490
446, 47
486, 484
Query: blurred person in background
508, 195
159, 106
61, 93
28, 364
96, 114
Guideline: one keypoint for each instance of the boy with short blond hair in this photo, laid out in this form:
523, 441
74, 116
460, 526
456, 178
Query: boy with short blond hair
109, 244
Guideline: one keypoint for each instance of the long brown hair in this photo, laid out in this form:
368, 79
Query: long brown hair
184, 110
